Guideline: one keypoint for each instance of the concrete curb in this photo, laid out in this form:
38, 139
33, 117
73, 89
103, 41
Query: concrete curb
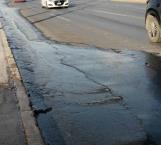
32, 133
3, 67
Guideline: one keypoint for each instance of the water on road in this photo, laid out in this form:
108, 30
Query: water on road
87, 96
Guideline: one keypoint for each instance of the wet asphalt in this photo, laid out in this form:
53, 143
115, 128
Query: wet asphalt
87, 95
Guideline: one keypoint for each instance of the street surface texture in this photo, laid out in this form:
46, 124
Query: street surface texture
98, 23
85, 95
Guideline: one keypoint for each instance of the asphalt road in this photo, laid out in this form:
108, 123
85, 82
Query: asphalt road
102, 23
82, 95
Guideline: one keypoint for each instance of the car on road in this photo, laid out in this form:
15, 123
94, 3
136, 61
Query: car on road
54, 3
153, 20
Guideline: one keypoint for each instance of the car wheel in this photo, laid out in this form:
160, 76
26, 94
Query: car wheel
153, 28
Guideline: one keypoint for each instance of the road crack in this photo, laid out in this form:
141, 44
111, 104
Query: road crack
106, 88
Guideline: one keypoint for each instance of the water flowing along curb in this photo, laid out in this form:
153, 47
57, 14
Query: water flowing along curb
32, 133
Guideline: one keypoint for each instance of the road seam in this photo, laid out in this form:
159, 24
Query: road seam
63, 18
32, 132
117, 14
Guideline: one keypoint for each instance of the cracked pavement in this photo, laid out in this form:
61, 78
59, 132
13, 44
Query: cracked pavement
85, 95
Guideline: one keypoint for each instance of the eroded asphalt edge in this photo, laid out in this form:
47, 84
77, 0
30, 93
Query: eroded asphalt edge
32, 133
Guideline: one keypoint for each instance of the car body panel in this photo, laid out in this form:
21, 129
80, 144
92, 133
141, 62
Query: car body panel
154, 7
55, 3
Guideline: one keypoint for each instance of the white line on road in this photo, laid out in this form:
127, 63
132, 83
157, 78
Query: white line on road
117, 14
63, 18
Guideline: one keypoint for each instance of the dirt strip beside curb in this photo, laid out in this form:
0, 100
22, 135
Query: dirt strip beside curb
32, 133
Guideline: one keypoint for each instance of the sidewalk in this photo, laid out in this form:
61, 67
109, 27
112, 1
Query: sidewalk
11, 129
17, 122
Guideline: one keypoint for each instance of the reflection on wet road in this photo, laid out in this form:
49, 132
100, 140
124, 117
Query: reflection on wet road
87, 96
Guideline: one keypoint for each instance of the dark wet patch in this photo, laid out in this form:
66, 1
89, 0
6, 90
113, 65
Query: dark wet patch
116, 50
149, 141
11, 44
153, 62
101, 90
126, 75
106, 101
41, 111
51, 133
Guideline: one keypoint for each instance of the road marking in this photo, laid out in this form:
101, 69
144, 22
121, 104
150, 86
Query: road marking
60, 17
117, 14
63, 18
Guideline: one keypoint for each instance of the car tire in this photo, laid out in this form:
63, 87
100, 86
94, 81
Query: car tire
153, 28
